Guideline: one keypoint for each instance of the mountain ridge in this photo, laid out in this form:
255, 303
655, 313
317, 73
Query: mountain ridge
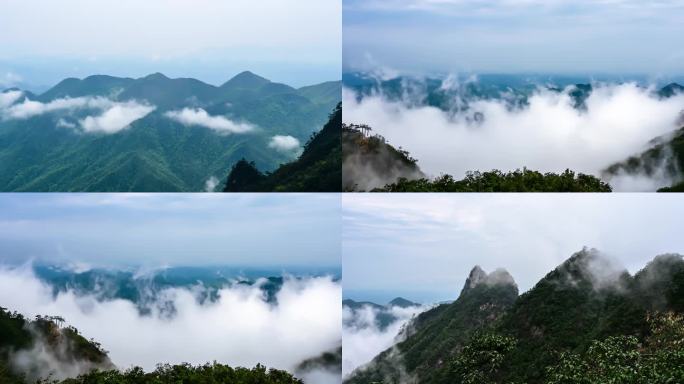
154, 153
585, 299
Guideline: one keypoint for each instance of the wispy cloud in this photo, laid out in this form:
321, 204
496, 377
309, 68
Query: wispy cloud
8, 98
30, 108
116, 118
200, 117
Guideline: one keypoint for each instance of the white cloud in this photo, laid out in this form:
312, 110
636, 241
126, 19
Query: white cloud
116, 118
63, 123
284, 144
362, 339
239, 329
211, 184
547, 135
30, 108
8, 98
198, 116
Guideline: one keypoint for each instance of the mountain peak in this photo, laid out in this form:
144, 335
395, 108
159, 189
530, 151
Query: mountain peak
588, 269
479, 277
156, 76
671, 90
401, 302
246, 79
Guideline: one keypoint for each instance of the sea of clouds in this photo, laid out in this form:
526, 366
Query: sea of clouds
548, 134
240, 328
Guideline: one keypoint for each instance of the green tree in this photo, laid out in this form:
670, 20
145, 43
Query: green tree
480, 360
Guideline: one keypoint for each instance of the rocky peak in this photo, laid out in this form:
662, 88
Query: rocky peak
479, 277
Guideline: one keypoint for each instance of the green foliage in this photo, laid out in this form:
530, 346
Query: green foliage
480, 360
155, 154
244, 173
187, 374
622, 359
369, 157
496, 181
438, 335
68, 346
318, 169
572, 327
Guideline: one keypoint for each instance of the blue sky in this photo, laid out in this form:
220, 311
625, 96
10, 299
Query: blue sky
292, 41
422, 246
514, 36
120, 230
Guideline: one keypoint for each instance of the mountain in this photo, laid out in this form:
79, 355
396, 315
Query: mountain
318, 169
146, 289
44, 145
671, 90
492, 335
97, 85
329, 361
402, 303
439, 332
34, 349
369, 162
663, 159
384, 314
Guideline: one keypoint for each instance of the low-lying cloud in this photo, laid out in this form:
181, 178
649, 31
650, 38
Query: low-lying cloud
240, 328
8, 98
285, 144
363, 338
548, 134
211, 184
115, 116
198, 116
30, 108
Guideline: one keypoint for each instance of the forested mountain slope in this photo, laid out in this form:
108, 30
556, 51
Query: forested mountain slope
104, 133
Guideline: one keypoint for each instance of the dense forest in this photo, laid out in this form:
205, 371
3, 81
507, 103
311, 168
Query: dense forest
41, 350
585, 322
51, 151
318, 169
371, 164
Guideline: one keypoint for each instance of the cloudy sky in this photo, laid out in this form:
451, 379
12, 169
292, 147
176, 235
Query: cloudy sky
422, 246
293, 41
288, 230
509, 36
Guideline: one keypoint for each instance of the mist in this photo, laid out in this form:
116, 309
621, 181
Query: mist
363, 338
548, 134
239, 328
